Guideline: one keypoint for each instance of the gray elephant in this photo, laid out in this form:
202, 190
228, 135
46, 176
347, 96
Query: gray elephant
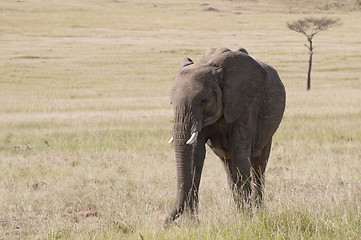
234, 104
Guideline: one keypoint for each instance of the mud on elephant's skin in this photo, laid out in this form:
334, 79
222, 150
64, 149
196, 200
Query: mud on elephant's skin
234, 104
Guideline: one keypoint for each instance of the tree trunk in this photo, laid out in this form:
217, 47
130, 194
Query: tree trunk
309, 66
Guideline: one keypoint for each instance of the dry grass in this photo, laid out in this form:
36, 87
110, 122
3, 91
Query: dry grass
85, 117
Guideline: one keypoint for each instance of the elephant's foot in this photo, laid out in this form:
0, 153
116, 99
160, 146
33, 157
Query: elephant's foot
242, 194
174, 214
191, 219
168, 221
248, 202
257, 201
189, 211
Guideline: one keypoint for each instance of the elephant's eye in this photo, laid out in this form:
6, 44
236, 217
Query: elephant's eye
204, 100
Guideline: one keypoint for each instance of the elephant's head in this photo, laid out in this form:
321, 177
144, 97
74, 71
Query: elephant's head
222, 84
196, 96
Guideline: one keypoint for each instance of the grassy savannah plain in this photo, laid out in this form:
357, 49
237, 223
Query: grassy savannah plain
85, 119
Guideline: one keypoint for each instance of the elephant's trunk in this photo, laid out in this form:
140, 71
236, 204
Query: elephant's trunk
184, 125
184, 176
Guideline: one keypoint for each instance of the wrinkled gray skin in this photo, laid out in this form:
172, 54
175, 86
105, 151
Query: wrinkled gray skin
235, 104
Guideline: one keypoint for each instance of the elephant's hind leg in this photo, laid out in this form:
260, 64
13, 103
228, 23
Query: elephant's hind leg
259, 164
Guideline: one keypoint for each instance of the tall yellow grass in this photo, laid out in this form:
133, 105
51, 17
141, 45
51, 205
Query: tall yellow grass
85, 119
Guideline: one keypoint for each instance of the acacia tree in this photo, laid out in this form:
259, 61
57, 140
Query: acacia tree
310, 27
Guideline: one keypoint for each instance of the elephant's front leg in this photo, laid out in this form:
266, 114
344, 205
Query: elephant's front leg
198, 156
235, 182
240, 165
240, 179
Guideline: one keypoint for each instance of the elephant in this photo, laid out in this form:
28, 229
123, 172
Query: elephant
234, 104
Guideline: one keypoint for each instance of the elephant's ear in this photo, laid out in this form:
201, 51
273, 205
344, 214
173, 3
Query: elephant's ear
243, 50
185, 62
242, 80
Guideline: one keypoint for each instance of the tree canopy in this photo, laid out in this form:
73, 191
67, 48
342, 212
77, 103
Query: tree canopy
310, 26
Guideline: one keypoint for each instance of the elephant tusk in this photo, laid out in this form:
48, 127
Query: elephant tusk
170, 140
193, 138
